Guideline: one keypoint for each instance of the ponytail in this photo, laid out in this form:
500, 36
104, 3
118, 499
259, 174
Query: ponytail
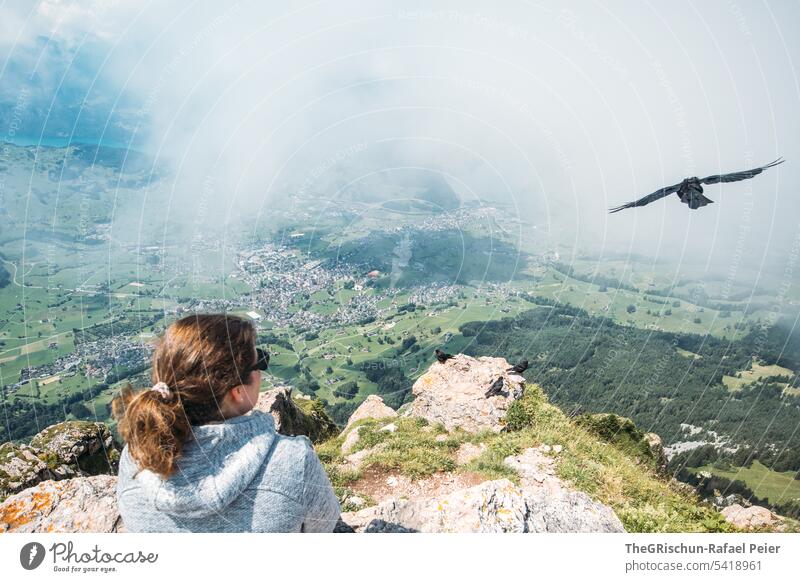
154, 426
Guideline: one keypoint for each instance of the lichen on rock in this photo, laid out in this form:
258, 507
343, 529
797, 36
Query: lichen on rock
82, 504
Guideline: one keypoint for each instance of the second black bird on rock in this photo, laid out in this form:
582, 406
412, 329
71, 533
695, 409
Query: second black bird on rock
519, 368
496, 387
442, 356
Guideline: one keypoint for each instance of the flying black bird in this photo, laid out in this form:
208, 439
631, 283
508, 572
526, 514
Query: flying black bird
690, 191
442, 356
519, 368
495, 388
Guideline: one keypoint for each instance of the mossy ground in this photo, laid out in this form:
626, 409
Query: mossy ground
618, 477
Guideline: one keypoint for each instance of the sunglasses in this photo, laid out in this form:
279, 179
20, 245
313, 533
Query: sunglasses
262, 360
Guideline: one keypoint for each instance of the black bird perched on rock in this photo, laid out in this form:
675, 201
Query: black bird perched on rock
690, 191
519, 368
442, 356
495, 388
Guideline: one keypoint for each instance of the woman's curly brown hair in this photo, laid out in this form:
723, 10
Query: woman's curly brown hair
201, 357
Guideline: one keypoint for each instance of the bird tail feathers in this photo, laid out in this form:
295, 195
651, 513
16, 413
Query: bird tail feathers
699, 201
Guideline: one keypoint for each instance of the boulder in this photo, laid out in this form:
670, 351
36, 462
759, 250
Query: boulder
87, 447
21, 467
492, 506
82, 504
753, 517
570, 511
61, 451
372, 407
295, 417
454, 393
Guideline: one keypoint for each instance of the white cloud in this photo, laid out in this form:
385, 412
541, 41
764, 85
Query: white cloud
558, 114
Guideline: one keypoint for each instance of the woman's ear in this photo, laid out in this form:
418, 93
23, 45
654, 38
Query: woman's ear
237, 393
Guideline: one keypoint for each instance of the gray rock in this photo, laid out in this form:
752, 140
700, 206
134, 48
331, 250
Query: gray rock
372, 407
21, 467
87, 447
536, 469
753, 517
351, 440
492, 506
570, 511
454, 393
722, 501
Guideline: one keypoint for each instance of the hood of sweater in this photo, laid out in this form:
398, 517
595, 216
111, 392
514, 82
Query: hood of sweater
215, 467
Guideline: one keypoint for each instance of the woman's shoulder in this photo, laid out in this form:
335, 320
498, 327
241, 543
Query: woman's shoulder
286, 469
293, 448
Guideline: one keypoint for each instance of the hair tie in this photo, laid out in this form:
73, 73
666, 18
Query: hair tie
162, 389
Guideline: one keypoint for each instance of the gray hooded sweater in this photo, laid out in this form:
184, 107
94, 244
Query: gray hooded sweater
235, 476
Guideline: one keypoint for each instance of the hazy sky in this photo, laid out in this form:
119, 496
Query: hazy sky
558, 111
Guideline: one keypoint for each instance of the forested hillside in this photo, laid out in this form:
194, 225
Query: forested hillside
662, 380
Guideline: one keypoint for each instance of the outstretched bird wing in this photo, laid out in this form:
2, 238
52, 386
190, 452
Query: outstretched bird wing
658, 194
736, 176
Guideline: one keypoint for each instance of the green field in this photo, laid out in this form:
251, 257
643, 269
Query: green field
756, 372
651, 311
765, 483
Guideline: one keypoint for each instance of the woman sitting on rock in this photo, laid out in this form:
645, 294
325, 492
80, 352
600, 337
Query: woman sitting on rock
196, 461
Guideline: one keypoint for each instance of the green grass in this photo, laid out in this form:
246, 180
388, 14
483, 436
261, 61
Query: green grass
410, 450
765, 483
